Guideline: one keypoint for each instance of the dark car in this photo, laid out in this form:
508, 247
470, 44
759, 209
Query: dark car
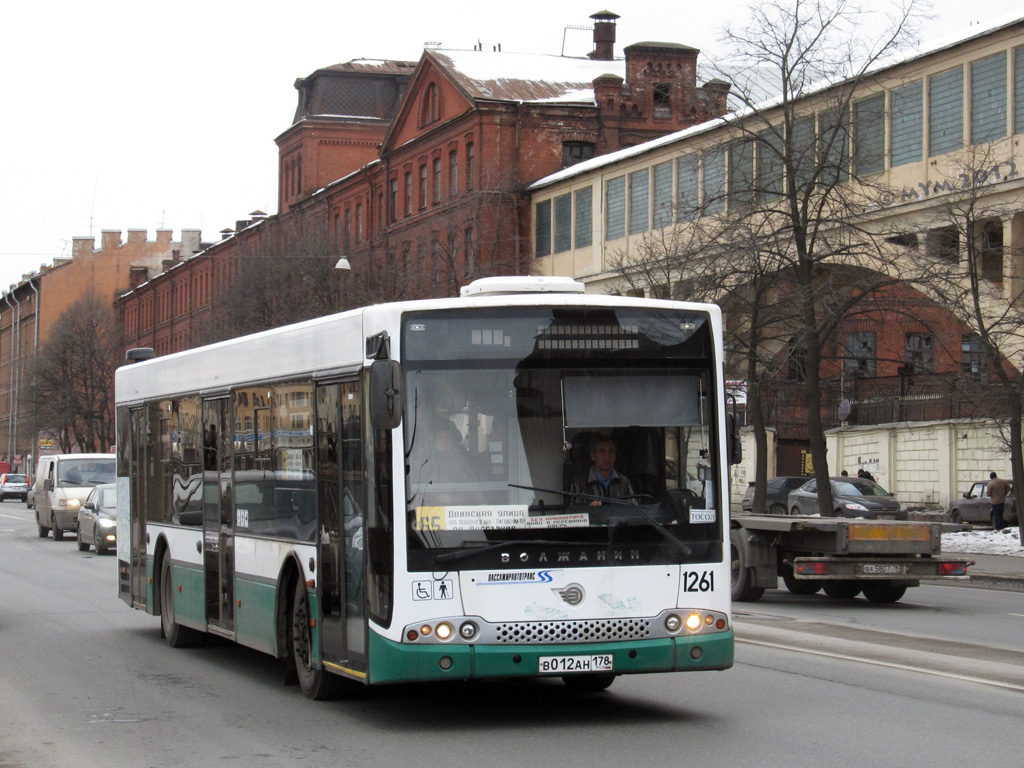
776, 494
851, 497
97, 519
13, 487
976, 507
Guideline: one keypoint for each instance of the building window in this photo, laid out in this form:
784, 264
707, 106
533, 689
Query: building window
804, 156
861, 353
770, 168
972, 357
453, 173
990, 251
906, 124
1018, 89
430, 110
408, 193
639, 201
796, 368
688, 187
584, 217
437, 180
423, 187
576, 152
393, 200
869, 135
470, 239
470, 164
944, 243
662, 195
563, 223
988, 98
833, 147
946, 112
662, 101
714, 181
741, 173
542, 229
359, 222
615, 210
920, 353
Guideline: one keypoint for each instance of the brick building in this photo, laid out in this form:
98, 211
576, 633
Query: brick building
31, 307
417, 171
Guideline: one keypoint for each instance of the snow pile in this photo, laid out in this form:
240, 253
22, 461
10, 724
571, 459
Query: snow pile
984, 542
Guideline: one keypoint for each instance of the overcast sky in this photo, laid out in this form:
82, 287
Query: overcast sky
120, 114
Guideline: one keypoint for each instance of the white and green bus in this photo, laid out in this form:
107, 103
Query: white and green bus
392, 494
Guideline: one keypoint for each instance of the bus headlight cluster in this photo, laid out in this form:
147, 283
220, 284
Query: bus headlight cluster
442, 631
695, 622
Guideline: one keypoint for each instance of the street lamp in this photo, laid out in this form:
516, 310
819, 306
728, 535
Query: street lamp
343, 264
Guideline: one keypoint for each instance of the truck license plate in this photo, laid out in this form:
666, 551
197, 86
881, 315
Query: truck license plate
881, 568
560, 665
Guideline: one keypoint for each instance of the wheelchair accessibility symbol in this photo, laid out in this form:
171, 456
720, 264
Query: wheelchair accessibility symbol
433, 590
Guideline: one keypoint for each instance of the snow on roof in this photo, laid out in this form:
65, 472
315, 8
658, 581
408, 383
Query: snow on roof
624, 154
525, 77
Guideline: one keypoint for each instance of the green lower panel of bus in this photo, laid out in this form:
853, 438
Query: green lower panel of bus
392, 662
190, 596
255, 615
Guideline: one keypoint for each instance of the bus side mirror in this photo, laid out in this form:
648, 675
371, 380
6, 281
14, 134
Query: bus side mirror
733, 444
385, 394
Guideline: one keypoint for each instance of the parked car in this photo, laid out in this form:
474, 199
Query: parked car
851, 497
976, 507
776, 498
13, 487
97, 519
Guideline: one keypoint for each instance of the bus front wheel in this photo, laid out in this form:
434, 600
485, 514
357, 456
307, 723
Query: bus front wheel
317, 684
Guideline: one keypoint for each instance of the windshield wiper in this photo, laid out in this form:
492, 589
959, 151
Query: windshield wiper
630, 503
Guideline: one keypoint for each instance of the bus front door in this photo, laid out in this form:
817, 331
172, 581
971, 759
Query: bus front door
218, 516
136, 464
340, 587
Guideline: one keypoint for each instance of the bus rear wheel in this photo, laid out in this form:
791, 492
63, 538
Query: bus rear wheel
174, 633
316, 684
588, 683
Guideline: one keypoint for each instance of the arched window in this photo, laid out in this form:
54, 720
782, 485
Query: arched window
431, 106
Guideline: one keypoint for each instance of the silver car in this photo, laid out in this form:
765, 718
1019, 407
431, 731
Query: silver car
97, 519
851, 497
976, 507
13, 486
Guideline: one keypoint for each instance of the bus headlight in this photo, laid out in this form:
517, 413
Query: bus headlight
443, 631
468, 630
673, 622
694, 622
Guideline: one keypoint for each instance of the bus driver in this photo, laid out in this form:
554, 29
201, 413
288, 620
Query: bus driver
602, 479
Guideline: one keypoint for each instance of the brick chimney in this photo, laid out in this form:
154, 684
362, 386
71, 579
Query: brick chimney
110, 239
604, 36
82, 246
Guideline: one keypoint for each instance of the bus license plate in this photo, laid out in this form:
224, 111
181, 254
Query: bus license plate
560, 665
882, 568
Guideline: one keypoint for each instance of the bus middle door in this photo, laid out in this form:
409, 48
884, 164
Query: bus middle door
218, 516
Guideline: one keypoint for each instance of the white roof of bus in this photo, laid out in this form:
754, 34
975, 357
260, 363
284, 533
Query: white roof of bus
321, 346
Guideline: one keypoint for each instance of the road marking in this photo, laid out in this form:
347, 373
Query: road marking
889, 664
1018, 615
12, 517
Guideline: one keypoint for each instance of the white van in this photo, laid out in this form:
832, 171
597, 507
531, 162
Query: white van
62, 483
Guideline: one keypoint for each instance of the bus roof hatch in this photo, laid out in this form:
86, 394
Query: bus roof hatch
510, 284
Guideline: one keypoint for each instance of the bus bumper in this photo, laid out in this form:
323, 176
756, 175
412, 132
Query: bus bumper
392, 662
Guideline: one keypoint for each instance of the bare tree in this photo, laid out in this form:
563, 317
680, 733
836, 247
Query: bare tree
794, 247
284, 273
963, 266
74, 394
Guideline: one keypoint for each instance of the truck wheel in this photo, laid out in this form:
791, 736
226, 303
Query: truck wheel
955, 517
842, 590
58, 534
884, 591
795, 510
799, 586
742, 590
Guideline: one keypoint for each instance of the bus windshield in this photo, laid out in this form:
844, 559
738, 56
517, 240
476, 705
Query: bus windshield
579, 435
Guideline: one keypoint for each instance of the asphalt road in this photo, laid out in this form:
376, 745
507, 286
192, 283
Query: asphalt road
86, 681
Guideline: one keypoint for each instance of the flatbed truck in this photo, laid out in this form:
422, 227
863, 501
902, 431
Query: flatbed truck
841, 556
